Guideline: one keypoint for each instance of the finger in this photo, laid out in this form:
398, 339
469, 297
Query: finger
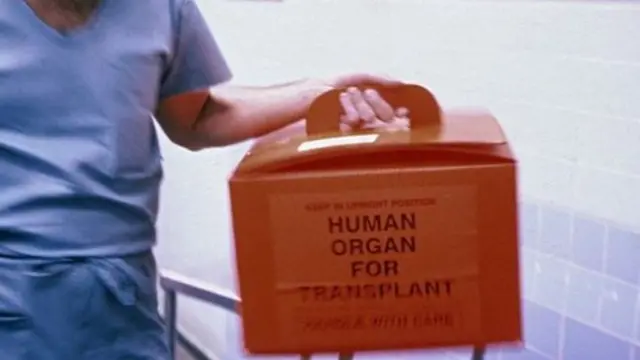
395, 125
390, 126
402, 112
351, 116
346, 129
401, 123
365, 112
381, 108
376, 124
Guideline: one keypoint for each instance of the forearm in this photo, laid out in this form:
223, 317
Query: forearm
233, 114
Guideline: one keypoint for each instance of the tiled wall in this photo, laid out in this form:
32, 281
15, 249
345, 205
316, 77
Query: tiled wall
581, 277
563, 77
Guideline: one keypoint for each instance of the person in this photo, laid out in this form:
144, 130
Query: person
81, 82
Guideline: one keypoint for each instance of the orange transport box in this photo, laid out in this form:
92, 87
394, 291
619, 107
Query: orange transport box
378, 239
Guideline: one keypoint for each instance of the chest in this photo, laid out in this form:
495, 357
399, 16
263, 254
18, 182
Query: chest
64, 15
112, 65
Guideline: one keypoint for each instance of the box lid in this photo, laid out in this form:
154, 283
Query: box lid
465, 134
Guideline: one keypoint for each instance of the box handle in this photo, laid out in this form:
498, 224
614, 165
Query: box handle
325, 112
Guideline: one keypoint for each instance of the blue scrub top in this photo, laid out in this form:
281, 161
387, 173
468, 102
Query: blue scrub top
80, 166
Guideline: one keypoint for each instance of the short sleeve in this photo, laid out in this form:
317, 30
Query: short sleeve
197, 62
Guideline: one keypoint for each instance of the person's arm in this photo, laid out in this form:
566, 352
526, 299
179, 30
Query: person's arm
229, 114
199, 109
195, 65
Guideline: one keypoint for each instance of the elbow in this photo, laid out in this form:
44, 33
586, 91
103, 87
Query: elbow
192, 147
189, 141
185, 143
212, 130
197, 144
220, 130
206, 138
207, 132
213, 125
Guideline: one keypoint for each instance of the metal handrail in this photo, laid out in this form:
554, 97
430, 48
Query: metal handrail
173, 284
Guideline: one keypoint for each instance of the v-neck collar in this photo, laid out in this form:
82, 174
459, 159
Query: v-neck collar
75, 34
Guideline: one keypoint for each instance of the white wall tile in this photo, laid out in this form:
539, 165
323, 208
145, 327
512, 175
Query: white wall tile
613, 196
546, 178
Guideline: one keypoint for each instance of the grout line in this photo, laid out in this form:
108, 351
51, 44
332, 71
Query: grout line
562, 336
605, 249
565, 161
537, 241
635, 333
602, 330
607, 222
569, 263
604, 274
565, 302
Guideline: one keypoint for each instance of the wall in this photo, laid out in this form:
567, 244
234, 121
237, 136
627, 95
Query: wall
563, 77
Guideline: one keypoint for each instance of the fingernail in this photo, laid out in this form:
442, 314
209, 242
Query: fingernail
370, 92
352, 89
402, 111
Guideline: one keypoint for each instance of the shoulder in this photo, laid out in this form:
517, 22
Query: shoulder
174, 8
177, 7
178, 10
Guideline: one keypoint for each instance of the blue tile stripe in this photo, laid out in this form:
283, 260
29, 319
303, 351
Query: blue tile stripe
580, 281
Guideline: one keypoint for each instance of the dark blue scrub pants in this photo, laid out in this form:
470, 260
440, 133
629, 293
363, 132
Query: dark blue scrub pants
77, 309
